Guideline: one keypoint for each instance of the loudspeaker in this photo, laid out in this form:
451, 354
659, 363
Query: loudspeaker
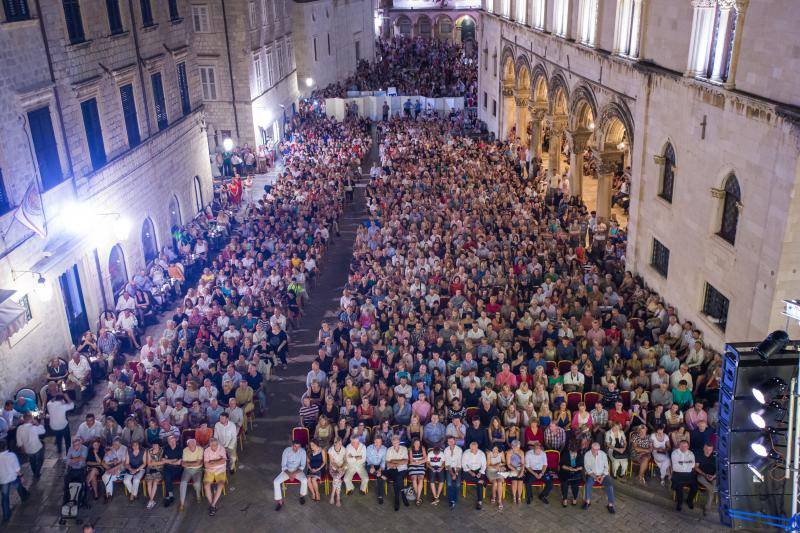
739, 489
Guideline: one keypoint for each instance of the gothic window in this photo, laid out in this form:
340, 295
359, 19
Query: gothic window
731, 202
537, 14
522, 12
560, 17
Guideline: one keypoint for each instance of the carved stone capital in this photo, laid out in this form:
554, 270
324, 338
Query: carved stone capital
508, 92
704, 3
521, 101
659, 159
719, 194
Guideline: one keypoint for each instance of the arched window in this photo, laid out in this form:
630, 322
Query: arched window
730, 209
560, 17
117, 269
587, 22
537, 14
713, 39
174, 212
522, 11
198, 194
668, 176
628, 27
149, 243
424, 25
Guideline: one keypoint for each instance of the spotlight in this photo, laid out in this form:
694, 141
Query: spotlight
758, 467
769, 416
227, 144
763, 447
309, 82
775, 342
769, 390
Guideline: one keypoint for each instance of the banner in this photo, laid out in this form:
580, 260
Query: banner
30, 212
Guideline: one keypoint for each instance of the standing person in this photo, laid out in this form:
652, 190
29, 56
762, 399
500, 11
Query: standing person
57, 409
473, 464
376, 464
356, 458
172, 467
706, 470
595, 464
337, 461
192, 463
293, 466
28, 440
683, 475
452, 464
214, 460
396, 468
10, 478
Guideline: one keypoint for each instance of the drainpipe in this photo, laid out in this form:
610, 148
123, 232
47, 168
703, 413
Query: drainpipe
139, 66
230, 68
59, 112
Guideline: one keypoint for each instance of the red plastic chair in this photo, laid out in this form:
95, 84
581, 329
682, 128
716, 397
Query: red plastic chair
626, 399
573, 399
301, 434
553, 464
550, 366
564, 367
591, 399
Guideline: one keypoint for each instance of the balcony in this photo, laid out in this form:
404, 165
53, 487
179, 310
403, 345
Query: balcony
436, 4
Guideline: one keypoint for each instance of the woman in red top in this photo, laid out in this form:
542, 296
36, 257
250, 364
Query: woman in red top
533, 433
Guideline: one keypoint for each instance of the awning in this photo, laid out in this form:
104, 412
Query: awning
12, 315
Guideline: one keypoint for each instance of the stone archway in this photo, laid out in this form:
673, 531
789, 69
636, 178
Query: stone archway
466, 30
557, 125
509, 80
537, 106
581, 138
443, 29
614, 141
424, 28
402, 26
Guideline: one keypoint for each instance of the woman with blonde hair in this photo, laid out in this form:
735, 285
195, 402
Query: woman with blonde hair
337, 457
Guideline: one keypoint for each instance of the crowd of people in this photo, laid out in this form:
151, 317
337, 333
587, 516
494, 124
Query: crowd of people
175, 405
489, 335
414, 66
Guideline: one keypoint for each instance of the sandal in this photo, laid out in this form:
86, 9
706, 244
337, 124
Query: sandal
500, 506
212, 511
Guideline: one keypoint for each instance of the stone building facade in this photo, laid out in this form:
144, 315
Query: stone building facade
692, 97
331, 37
101, 116
245, 53
446, 20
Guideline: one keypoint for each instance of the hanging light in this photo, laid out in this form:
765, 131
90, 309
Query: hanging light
775, 342
43, 289
771, 389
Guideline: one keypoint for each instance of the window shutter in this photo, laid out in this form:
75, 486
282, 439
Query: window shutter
44, 142
129, 112
158, 101
114, 16
72, 15
183, 86
94, 133
16, 10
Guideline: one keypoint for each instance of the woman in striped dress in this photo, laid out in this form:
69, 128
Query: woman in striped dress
417, 457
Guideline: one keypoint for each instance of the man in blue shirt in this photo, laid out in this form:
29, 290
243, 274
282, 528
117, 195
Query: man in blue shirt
402, 411
433, 434
293, 467
376, 464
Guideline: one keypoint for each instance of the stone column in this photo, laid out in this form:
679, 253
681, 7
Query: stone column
507, 122
522, 119
608, 164
578, 140
537, 115
554, 156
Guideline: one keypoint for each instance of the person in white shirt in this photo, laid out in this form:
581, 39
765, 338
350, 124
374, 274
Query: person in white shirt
356, 456
57, 409
227, 433
396, 468
574, 380
28, 440
127, 323
90, 429
536, 473
10, 478
149, 347
80, 374
683, 465
452, 465
682, 374
473, 466
595, 464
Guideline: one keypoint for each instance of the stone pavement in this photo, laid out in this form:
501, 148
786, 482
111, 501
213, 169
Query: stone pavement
249, 504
